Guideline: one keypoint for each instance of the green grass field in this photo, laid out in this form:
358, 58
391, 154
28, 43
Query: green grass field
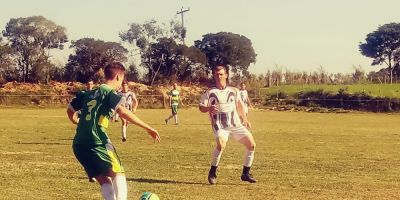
298, 156
377, 90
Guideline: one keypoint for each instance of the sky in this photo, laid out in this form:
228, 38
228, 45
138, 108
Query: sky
297, 35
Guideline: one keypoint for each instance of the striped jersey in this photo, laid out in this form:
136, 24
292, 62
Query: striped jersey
174, 97
127, 98
226, 100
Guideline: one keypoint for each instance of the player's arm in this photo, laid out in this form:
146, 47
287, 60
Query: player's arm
180, 100
126, 114
74, 106
135, 104
248, 100
71, 115
204, 107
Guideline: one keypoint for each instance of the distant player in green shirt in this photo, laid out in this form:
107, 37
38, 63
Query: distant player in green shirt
92, 146
174, 100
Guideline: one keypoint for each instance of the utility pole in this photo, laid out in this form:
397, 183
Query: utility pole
183, 27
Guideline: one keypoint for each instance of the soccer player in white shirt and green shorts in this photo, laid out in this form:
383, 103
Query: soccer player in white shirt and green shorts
91, 145
225, 109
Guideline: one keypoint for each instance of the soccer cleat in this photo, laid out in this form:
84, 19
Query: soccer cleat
123, 139
166, 121
212, 179
212, 175
248, 178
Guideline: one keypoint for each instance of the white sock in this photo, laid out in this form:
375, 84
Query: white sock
124, 131
176, 119
120, 187
216, 156
248, 158
107, 191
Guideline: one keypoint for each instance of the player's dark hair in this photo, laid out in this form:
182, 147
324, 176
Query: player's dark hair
124, 82
113, 69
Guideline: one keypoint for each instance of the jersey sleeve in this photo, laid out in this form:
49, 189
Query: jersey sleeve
204, 99
77, 102
113, 100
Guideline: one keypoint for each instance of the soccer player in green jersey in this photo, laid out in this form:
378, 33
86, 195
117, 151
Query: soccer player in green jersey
174, 100
92, 146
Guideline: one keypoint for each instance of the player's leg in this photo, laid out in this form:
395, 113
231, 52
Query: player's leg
110, 171
176, 119
117, 172
113, 185
124, 127
221, 137
91, 158
107, 189
168, 118
175, 113
243, 136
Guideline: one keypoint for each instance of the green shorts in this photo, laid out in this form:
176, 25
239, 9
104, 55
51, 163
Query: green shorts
174, 109
97, 160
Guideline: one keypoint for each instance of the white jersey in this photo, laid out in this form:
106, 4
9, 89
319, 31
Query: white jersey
226, 100
244, 96
127, 99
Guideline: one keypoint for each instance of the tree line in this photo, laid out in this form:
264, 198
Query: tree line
155, 53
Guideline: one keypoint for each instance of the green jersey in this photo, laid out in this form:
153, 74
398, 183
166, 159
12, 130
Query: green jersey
96, 108
174, 97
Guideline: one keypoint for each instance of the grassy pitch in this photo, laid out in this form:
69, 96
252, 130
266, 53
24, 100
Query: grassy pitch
298, 156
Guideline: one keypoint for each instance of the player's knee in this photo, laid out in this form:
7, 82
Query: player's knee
221, 147
251, 146
103, 179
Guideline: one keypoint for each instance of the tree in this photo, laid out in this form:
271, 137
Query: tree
382, 44
161, 53
8, 71
225, 48
91, 56
31, 38
142, 35
193, 64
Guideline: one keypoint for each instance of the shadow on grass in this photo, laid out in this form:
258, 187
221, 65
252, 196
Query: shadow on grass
147, 180
45, 143
159, 181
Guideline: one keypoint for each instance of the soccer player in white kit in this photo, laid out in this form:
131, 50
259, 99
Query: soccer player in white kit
245, 98
225, 108
129, 101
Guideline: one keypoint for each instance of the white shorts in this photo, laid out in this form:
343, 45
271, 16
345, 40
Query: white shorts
236, 132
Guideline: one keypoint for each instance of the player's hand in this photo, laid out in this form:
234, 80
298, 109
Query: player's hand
213, 109
246, 123
154, 134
